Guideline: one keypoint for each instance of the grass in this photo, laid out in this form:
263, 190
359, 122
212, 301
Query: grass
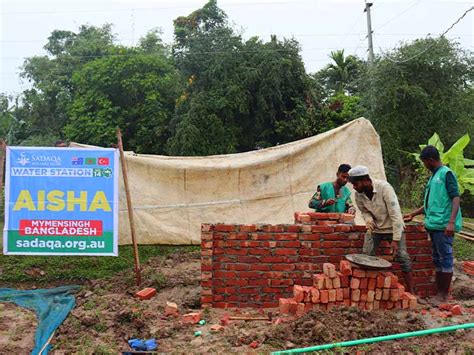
81, 268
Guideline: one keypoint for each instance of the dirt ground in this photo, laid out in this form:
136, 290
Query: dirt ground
107, 315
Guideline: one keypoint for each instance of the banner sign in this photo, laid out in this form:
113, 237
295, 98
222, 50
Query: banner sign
61, 201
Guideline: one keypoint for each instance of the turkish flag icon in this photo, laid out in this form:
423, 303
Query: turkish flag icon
103, 161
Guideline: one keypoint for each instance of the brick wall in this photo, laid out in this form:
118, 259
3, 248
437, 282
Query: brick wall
255, 265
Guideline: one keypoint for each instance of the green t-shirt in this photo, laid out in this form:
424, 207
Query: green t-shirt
327, 191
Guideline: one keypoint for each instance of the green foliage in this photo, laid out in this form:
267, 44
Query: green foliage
134, 91
410, 92
454, 158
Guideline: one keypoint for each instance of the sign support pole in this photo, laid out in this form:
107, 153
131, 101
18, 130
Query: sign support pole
130, 208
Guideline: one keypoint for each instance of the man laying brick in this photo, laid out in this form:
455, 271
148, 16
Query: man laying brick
334, 196
380, 209
442, 217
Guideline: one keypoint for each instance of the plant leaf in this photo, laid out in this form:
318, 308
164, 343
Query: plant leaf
436, 142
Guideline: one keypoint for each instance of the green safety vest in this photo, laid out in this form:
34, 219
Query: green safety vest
438, 205
327, 192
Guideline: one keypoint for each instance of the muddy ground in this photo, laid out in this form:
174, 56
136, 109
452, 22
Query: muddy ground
107, 315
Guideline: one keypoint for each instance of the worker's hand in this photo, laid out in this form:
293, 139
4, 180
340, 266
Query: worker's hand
370, 226
394, 246
351, 211
449, 231
407, 217
330, 202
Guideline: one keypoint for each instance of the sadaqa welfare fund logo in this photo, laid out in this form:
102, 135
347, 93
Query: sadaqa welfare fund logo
39, 160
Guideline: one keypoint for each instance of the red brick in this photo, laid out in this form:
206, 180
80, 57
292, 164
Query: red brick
248, 228
256, 282
370, 296
171, 309
372, 284
355, 295
338, 252
359, 228
342, 228
283, 267
328, 283
336, 282
380, 280
318, 215
315, 295
355, 283
319, 281
322, 229
324, 296
298, 293
401, 290
293, 305
394, 281
235, 251
346, 291
363, 295
248, 259
332, 295
376, 304
286, 236
289, 244
191, 318
386, 294
224, 227
345, 267
225, 274
273, 259
286, 252
239, 282
346, 217
327, 223
339, 294
394, 295
378, 294
293, 228
284, 305
310, 237
257, 267
364, 283
206, 299
300, 309
387, 280
344, 281
206, 227
356, 272
280, 282
457, 310
237, 267
329, 270
371, 274
146, 293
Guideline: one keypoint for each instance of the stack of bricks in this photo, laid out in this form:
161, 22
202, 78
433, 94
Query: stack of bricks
323, 219
351, 287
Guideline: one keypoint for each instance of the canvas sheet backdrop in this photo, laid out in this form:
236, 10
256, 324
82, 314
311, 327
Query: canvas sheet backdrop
172, 196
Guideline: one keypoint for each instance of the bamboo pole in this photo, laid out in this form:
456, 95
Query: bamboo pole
130, 208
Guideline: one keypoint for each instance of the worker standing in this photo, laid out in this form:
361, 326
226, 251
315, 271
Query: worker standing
442, 217
378, 203
334, 196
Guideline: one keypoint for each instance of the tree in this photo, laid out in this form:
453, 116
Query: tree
255, 93
45, 105
418, 89
135, 91
341, 76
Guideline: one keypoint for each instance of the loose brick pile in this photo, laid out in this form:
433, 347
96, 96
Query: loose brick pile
255, 265
351, 287
468, 267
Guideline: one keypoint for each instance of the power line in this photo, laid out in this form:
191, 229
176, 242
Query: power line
415, 3
187, 6
434, 43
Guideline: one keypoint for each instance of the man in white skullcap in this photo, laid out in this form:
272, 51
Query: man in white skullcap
381, 211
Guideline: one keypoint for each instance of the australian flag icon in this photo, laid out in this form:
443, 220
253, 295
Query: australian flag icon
77, 161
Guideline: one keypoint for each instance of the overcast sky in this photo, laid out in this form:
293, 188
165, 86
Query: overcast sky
319, 25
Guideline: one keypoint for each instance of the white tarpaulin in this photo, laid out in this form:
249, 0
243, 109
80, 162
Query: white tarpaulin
172, 196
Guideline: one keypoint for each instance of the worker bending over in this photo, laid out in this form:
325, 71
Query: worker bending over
378, 203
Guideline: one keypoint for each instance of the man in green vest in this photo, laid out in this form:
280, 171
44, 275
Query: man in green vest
334, 196
442, 217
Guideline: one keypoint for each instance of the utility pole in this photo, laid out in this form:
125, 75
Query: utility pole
369, 32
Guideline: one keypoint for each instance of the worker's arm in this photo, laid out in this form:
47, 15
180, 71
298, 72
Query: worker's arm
366, 215
453, 192
409, 216
317, 202
394, 211
350, 206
